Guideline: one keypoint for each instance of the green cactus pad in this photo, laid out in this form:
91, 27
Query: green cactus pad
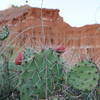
84, 76
8, 80
43, 74
4, 33
28, 53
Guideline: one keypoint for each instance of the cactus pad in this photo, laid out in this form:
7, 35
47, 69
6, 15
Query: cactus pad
84, 76
28, 53
7, 81
4, 33
43, 74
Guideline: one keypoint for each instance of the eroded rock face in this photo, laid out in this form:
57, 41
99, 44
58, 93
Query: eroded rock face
29, 28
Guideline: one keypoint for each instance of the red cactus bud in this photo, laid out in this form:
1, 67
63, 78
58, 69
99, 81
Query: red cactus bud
60, 49
19, 58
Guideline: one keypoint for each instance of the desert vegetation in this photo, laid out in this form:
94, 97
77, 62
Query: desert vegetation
44, 75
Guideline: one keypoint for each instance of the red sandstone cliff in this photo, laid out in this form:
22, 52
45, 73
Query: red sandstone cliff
26, 30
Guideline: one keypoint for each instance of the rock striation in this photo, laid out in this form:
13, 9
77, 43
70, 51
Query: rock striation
37, 27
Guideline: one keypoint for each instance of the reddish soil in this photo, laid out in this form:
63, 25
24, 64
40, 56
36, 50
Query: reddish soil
26, 30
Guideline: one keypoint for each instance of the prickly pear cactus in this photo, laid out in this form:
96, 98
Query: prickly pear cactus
41, 77
28, 53
84, 76
4, 33
4, 75
8, 90
8, 78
